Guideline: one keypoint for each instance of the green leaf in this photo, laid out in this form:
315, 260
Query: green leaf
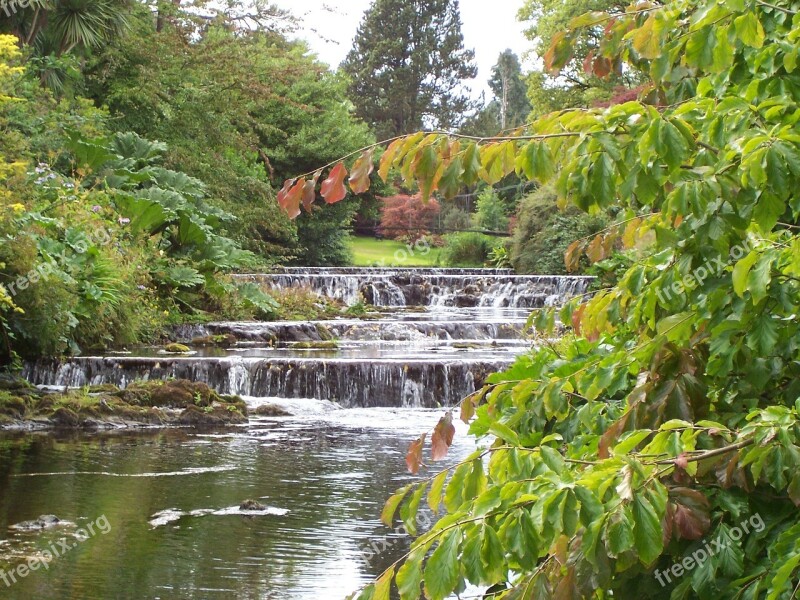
782, 582
618, 533
435, 493
383, 585
759, 278
390, 508
750, 30
409, 576
408, 513
492, 555
442, 568
647, 532
741, 271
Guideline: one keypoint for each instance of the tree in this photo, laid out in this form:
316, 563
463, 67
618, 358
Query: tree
509, 90
408, 217
491, 213
574, 85
655, 451
408, 65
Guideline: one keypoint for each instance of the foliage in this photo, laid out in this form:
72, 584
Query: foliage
543, 233
407, 66
467, 249
407, 217
491, 214
509, 91
454, 218
575, 85
671, 420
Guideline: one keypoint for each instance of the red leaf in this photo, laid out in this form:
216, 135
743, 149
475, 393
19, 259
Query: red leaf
601, 67
692, 519
667, 522
289, 197
587, 63
577, 317
359, 174
611, 436
414, 456
309, 191
442, 437
333, 189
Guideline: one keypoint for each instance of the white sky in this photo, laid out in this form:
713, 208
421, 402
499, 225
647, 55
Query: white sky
489, 27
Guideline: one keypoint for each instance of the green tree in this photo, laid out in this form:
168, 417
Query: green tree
491, 213
408, 65
510, 91
669, 422
573, 86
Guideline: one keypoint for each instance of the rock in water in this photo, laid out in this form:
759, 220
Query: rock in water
43, 522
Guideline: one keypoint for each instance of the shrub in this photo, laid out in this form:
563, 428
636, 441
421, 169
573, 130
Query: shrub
543, 233
408, 217
467, 249
491, 214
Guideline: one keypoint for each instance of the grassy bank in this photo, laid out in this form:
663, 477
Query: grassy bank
370, 252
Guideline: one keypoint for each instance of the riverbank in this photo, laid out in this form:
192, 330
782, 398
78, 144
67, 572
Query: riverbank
173, 403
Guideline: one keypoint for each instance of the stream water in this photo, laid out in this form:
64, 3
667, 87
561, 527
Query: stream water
171, 498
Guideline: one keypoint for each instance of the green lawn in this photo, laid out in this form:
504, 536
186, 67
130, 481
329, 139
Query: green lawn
369, 252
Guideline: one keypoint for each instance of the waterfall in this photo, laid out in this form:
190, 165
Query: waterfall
447, 331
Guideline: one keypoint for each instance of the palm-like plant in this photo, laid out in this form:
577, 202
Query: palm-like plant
54, 28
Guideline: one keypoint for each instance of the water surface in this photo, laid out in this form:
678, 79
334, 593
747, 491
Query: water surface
329, 471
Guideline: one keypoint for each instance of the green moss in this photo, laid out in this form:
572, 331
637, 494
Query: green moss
322, 345
177, 349
142, 402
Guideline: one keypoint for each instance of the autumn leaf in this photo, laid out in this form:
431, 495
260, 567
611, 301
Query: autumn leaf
559, 53
414, 455
309, 191
442, 437
691, 517
572, 256
289, 197
388, 158
333, 189
359, 174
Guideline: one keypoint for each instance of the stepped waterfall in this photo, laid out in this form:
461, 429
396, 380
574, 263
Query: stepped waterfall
441, 333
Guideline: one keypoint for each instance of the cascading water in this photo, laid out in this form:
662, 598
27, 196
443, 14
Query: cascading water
471, 326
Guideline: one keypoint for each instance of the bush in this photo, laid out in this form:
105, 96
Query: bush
408, 217
468, 249
491, 214
454, 218
543, 233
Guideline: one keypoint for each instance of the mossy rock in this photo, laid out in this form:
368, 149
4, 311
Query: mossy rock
211, 416
103, 388
224, 340
271, 410
175, 393
177, 349
323, 345
64, 417
324, 333
13, 384
13, 406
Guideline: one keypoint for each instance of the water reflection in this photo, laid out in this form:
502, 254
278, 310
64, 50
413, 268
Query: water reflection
330, 472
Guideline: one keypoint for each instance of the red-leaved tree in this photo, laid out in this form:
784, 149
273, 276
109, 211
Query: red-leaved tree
408, 217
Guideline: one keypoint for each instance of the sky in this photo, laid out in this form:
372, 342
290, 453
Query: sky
489, 27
